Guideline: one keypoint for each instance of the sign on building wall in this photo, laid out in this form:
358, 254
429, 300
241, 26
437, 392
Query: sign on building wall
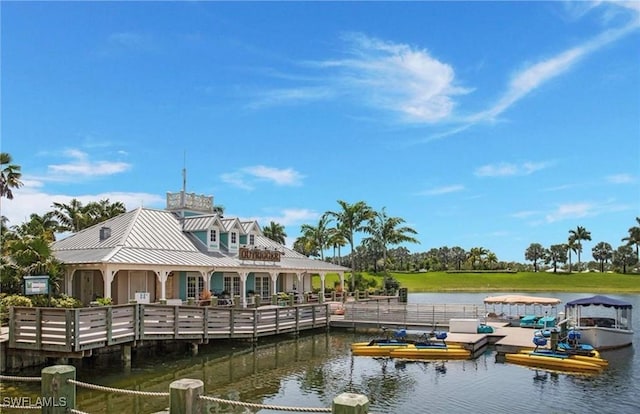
36, 285
264, 255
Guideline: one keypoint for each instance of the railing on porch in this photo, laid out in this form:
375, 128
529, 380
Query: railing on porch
81, 329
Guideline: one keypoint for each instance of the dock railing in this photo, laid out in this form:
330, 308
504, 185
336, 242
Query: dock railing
381, 313
81, 329
185, 396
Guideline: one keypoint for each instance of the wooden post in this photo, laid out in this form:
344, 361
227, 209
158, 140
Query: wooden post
184, 396
126, 355
58, 396
348, 403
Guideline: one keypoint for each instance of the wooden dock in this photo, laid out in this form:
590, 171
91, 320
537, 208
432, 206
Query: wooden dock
427, 317
76, 332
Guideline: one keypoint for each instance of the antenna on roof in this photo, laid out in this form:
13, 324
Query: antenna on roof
184, 172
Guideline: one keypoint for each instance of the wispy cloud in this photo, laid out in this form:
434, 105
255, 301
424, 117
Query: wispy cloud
34, 200
119, 43
82, 166
443, 190
400, 78
525, 214
291, 96
620, 179
534, 75
508, 169
246, 177
381, 74
569, 211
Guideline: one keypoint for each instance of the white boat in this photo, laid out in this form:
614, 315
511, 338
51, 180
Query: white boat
604, 322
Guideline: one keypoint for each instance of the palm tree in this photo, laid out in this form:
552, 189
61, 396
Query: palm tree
459, 256
634, 237
491, 259
306, 246
534, 252
45, 225
572, 246
9, 176
275, 232
351, 219
385, 231
71, 217
476, 254
579, 234
336, 240
97, 212
557, 253
602, 252
319, 234
624, 257
29, 255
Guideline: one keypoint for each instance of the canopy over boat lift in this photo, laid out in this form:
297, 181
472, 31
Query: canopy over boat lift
511, 308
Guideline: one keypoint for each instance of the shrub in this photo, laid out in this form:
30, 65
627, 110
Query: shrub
105, 301
64, 301
12, 300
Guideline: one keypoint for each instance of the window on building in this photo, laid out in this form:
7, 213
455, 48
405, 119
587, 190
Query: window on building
252, 239
262, 287
195, 285
232, 285
234, 237
213, 236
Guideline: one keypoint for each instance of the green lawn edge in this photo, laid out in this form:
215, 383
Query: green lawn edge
591, 282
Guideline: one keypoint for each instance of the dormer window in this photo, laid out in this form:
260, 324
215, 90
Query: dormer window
234, 237
252, 239
213, 236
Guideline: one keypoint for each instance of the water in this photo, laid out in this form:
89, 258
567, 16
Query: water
311, 370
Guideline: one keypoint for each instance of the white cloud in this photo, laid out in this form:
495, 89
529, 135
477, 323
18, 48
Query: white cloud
525, 214
30, 199
291, 96
570, 211
81, 166
509, 169
400, 78
287, 176
236, 179
620, 179
381, 74
443, 190
246, 177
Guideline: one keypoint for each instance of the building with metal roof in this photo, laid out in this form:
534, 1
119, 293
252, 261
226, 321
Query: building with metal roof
178, 253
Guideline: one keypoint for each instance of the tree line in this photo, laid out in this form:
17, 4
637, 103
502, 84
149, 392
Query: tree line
621, 258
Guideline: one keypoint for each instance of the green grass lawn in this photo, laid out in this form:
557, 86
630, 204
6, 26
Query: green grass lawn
521, 282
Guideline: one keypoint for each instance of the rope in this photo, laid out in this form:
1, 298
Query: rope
117, 390
23, 379
267, 406
22, 407
74, 411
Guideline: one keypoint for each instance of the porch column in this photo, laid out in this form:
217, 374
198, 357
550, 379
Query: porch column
108, 274
274, 280
299, 286
322, 278
205, 276
68, 281
342, 280
243, 288
163, 276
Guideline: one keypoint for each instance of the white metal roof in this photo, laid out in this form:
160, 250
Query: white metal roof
155, 237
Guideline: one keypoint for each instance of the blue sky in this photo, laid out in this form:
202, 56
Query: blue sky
493, 124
